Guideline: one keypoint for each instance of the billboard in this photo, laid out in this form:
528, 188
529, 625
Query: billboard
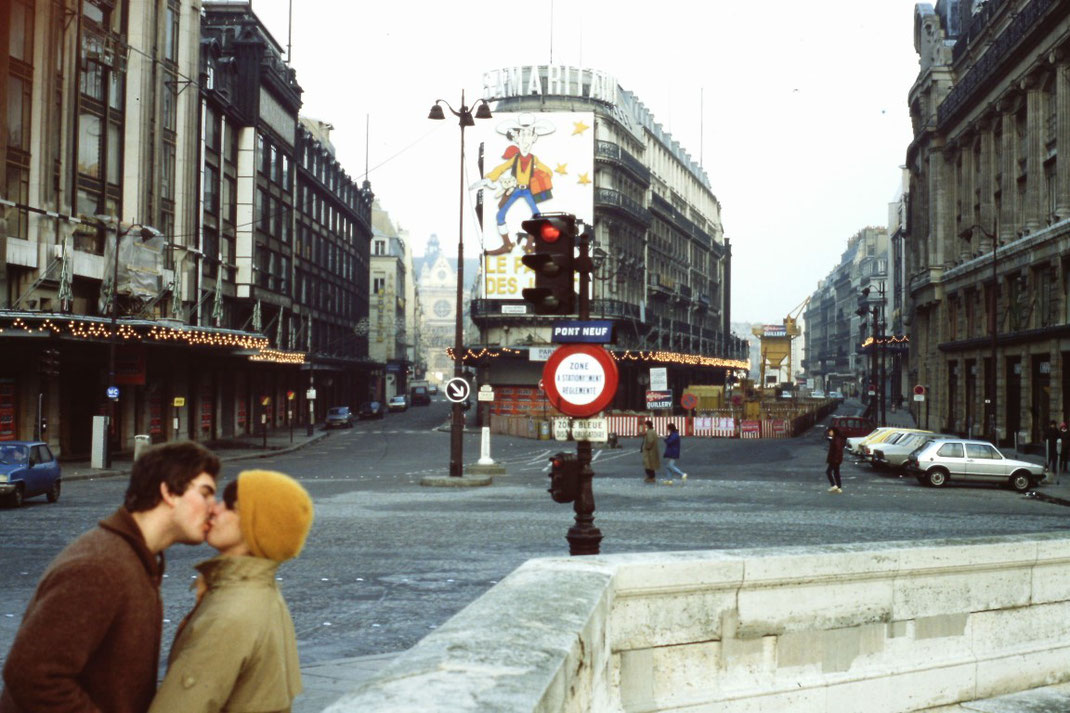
532, 163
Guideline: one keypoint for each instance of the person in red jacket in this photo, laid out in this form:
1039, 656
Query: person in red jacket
90, 638
834, 459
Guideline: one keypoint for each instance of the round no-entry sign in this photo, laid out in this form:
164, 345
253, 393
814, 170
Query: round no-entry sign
689, 400
580, 379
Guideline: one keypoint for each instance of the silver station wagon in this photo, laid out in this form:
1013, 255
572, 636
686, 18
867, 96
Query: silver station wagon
941, 460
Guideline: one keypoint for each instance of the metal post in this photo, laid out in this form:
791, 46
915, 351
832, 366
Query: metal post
583, 537
111, 344
311, 404
995, 343
457, 425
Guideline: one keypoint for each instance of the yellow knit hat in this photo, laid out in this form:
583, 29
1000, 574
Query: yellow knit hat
275, 513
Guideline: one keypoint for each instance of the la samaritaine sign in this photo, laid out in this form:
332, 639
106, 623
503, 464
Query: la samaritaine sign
550, 80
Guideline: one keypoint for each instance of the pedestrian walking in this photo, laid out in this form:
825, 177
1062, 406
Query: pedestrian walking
90, 637
651, 461
1051, 447
834, 459
237, 650
1063, 446
672, 452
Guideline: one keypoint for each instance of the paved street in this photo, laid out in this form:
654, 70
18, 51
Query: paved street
388, 560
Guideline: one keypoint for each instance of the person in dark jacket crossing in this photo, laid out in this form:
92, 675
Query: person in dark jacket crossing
834, 459
672, 452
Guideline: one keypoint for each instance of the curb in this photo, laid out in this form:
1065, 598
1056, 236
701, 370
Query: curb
256, 453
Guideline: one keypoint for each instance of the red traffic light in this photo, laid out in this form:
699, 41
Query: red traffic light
549, 233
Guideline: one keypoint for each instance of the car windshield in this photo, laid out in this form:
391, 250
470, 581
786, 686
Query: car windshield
338, 411
14, 455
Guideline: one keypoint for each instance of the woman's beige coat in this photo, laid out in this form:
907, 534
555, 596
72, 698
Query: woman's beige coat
236, 651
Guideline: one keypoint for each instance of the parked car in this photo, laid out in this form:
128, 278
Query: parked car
943, 460
28, 469
339, 417
865, 449
854, 442
836, 395
372, 409
433, 389
421, 396
893, 456
399, 403
853, 426
817, 395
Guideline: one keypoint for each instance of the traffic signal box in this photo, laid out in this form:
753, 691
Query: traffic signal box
553, 262
564, 477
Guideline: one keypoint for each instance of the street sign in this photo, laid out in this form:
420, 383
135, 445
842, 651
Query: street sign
595, 430
310, 394
919, 397
179, 402
580, 379
457, 390
919, 392
659, 379
485, 393
514, 309
574, 331
658, 399
689, 400
113, 392
540, 353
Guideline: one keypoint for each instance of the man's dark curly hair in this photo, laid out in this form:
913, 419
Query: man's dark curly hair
174, 464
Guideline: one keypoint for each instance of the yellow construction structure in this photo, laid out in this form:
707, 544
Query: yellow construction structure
775, 340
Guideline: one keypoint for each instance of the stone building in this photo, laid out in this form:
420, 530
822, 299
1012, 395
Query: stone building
662, 261
989, 215
150, 240
836, 359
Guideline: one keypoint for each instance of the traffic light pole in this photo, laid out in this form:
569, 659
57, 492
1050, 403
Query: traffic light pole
583, 537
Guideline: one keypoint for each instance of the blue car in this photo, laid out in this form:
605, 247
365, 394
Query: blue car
28, 469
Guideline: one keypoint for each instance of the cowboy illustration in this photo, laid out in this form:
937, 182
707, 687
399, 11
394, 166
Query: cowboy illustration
522, 176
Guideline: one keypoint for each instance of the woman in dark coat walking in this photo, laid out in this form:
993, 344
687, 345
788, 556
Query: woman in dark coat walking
834, 458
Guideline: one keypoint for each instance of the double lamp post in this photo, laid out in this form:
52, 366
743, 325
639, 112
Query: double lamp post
465, 118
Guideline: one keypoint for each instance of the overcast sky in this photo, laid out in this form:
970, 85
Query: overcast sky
798, 111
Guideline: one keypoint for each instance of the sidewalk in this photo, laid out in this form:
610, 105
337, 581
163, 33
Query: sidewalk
231, 449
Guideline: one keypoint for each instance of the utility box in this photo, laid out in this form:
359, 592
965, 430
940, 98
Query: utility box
141, 442
99, 443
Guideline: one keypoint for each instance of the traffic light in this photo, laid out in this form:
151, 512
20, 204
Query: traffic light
48, 363
554, 238
564, 477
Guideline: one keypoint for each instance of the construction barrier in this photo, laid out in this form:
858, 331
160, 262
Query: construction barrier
632, 425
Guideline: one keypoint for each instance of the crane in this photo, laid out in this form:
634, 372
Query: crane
776, 341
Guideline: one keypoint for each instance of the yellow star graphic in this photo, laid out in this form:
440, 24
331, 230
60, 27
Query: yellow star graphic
578, 127
562, 168
584, 179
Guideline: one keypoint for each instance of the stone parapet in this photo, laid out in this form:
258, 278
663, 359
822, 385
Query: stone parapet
873, 628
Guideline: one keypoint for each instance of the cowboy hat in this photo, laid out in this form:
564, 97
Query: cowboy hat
541, 127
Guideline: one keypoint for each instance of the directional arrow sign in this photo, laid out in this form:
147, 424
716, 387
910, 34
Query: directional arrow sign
457, 389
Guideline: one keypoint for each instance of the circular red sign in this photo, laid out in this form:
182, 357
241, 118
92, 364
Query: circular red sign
919, 389
689, 400
580, 379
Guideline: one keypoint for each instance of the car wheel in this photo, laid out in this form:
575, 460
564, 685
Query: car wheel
936, 477
15, 499
53, 493
1020, 482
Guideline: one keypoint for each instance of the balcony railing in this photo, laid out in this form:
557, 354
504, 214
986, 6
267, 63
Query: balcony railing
613, 152
667, 209
995, 57
616, 199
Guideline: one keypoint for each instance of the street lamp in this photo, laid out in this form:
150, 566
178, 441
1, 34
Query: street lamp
112, 390
464, 120
967, 234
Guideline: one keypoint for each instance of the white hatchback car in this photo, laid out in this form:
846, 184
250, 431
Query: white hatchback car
941, 460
